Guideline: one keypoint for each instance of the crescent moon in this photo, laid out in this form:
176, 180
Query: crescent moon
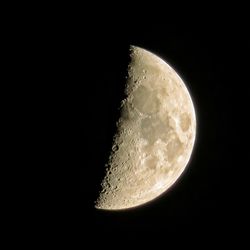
155, 134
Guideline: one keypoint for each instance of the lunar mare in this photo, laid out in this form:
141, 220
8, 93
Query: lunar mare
155, 134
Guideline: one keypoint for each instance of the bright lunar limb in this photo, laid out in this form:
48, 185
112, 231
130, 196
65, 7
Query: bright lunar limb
155, 134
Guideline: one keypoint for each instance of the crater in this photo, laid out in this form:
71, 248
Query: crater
151, 162
126, 111
185, 122
174, 148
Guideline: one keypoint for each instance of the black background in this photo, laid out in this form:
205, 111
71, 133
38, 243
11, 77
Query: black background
210, 59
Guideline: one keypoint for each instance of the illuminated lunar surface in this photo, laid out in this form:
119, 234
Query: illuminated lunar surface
155, 134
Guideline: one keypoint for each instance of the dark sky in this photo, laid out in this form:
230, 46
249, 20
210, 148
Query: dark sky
210, 61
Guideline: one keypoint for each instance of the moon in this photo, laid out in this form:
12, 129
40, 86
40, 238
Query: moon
155, 134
